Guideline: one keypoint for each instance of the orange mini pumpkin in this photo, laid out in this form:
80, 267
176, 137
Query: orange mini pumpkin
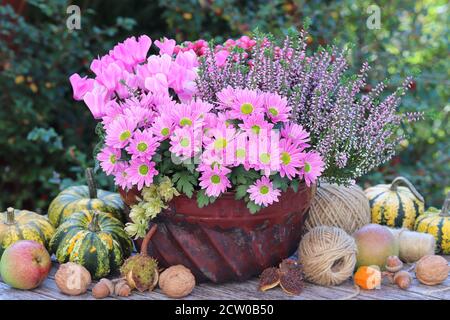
368, 277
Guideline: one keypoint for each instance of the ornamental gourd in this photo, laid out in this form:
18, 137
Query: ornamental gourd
94, 240
78, 198
437, 223
18, 225
394, 205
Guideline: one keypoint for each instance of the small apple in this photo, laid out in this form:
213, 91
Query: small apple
25, 264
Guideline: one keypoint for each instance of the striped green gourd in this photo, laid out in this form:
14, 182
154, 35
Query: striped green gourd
93, 239
78, 198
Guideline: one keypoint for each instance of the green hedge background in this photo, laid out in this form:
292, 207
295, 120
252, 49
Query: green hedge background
47, 138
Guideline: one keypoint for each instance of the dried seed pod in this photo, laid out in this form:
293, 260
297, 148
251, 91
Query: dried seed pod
393, 264
122, 289
292, 281
432, 270
269, 279
403, 279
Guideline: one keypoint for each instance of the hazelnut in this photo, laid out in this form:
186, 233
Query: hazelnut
103, 289
393, 264
177, 281
403, 279
72, 279
432, 270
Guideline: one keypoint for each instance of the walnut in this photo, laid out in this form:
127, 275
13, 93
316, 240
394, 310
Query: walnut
72, 279
432, 270
176, 281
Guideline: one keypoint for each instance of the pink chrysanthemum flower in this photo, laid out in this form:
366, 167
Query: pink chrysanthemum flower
226, 98
200, 108
184, 116
296, 133
109, 159
219, 138
121, 178
143, 144
162, 127
263, 192
119, 132
143, 116
112, 111
312, 167
290, 159
246, 103
256, 125
214, 181
276, 107
185, 142
141, 172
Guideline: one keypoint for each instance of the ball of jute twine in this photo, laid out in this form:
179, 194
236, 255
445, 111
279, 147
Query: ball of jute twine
338, 206
328, 255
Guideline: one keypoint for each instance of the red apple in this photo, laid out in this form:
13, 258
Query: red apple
25, 264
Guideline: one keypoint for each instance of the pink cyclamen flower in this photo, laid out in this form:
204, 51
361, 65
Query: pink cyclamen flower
276, 107
312, 167
142, 145
246, 103
296, 133
166, 46
96, 101
221, 57
80, 86
214, 181
185, 142
263, 192
120, 131
162, 127
132, 51
290, 159
141, 172
121, 177
109, 159
157, 83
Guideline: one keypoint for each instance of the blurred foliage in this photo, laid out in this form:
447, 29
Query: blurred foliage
47, 137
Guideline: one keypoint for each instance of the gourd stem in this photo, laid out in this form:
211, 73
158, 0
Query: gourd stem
147, 239
89, 173
446, 206
93, 225
409, 185
10, 216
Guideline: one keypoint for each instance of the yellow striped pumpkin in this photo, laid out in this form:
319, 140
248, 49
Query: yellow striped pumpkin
437, 223
78, 198
394, 205
18, 225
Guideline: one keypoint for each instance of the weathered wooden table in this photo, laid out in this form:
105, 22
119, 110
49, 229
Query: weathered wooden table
248, 290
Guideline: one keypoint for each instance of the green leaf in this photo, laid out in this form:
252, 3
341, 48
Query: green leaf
280, 183
241, 191
294, 184
253, 207
185, 182
203, 200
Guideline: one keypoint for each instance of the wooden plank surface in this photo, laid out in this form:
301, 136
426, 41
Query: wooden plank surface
247, 290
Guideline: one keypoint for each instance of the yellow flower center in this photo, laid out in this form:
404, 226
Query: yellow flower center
307, 167
125, 135
285, 158
143, 169
215, 179
142, 146
256, 129
220, 144
185, 122
246, 108
113, 159
165, 131
240, 153
273, 111
264, 190
264, 158
184, 142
